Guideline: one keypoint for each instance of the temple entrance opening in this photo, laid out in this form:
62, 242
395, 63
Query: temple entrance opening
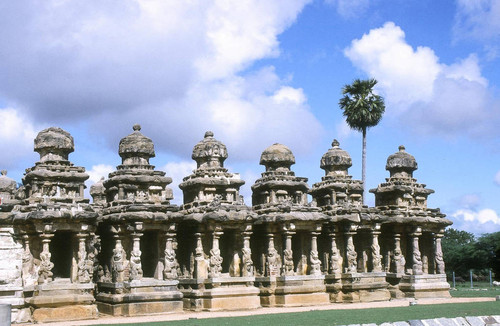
61, 248
149, 256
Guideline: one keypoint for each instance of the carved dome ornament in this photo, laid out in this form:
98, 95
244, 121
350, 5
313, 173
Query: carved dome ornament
7, 185
277, 157
136, 148
401, 164
54, 144
336, 160
209, 152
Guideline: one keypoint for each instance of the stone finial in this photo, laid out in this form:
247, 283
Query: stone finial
401, 164
54, 144
98, 192
277, 157
209, 152
336, 161
136, 149
7, 185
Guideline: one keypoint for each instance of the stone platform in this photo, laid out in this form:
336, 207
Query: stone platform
136, 298
220, 293
364, 287
62, 300
425, 286
292, 291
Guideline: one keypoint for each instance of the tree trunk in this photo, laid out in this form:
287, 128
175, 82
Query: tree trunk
363, 164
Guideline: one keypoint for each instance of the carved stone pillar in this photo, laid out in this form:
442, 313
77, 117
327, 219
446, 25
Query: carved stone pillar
29, 272
273, 260
200, 262
375, 250
45, 270
171, 266
119, 263
288, 268
417, 257
352, 256
438, 252
398, 259
246, 253
85, 267
313, 255
335, 257
136, 272
215, 257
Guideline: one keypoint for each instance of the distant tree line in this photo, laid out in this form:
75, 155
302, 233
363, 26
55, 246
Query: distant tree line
463, 252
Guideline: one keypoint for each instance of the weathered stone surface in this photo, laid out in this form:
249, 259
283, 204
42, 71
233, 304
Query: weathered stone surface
54, 144
148, 256
416, 322
475, 321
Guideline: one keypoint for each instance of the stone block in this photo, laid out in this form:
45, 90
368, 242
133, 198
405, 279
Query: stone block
475, 321
303, 299
139, 308
431, 322
416, 322
460, 321
489, 320
74, 312
400, 323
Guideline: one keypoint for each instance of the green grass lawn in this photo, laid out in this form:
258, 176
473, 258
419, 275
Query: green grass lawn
483, 289
344, 317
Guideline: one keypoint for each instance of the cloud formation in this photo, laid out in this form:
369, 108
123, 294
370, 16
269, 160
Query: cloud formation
178, 68
477, 19
435, 98
350, 8
16, 137
497, 178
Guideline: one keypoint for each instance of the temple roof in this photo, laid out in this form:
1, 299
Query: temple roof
7, 184
277, 156
136, 145
401, 161
54, 144
209, 152
336, 159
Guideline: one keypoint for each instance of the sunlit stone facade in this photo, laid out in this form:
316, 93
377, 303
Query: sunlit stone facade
131, 252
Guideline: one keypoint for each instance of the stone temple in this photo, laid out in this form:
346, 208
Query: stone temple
132, 252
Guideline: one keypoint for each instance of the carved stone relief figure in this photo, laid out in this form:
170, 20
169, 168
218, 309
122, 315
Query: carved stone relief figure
170, 270
315, 263
234, 267
351, 256
288, 262
119, 262
45, 271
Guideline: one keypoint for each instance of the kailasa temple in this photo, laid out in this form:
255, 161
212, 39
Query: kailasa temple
130, 251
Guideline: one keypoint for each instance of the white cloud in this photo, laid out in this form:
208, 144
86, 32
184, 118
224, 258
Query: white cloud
483, 216
177, 171
497, 178
350, 8
404, 74
430, 96
343, 130
477, 19
16, 137
176, 67
469, 201
99, 171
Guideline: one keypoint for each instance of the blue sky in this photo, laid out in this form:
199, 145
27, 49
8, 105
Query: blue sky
257, 73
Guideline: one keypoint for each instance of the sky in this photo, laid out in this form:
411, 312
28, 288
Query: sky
259, 72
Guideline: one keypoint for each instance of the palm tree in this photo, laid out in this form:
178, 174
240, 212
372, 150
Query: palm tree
362, 109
